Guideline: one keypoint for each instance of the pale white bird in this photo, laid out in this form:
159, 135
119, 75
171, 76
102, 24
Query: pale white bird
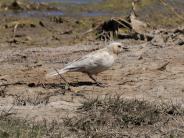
93, 63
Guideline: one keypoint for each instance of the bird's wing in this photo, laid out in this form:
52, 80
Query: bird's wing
87, 56
88, 61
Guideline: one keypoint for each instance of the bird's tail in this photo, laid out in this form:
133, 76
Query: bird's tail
54, 73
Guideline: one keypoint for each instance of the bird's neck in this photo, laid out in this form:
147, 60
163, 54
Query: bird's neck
113, 51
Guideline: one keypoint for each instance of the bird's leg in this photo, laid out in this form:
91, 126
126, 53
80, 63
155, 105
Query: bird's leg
98, 83
91, 77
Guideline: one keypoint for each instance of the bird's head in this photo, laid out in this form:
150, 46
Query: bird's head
117, 48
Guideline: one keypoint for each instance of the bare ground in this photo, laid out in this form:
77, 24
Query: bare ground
150, 71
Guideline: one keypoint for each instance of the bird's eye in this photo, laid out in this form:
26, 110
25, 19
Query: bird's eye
119, 46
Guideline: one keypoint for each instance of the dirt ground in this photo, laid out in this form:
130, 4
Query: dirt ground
151, 71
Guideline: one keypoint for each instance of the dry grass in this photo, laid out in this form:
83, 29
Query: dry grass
110, 117
19, 129
31, 100
114, 117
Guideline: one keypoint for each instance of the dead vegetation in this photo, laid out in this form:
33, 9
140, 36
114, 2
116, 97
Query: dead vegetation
30, 100
106, 117
10, 127
119, 28
123, 28
130, 27
115, 117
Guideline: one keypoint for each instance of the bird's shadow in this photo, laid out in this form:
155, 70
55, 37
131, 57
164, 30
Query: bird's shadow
63, 85
82, 83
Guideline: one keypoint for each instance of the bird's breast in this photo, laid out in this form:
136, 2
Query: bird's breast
102, 64
108, 61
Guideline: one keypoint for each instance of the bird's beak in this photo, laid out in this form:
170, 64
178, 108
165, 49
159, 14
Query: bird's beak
125, 48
